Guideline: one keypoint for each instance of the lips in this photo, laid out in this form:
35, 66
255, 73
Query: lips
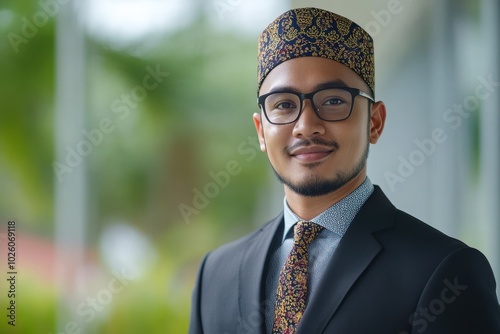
311, 153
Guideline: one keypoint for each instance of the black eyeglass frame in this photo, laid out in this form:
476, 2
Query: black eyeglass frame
309, 96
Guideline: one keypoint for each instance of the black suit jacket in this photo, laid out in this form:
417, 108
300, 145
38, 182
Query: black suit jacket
391, 274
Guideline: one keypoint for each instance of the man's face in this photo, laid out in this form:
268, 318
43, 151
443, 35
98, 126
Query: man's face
313, 157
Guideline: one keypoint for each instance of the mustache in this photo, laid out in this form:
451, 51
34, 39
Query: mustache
313, 141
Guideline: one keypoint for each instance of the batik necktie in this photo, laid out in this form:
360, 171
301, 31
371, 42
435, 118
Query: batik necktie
291, 294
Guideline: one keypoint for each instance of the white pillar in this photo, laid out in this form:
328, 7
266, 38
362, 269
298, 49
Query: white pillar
446, 171
490, 137
70, 187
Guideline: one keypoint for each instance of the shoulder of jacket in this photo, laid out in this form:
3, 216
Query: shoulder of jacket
240, 245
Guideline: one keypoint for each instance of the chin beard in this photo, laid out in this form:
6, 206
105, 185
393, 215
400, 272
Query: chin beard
317, 186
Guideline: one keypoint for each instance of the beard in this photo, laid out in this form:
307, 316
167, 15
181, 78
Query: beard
315, 185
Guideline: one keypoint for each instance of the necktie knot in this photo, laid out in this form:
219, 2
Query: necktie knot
305, 232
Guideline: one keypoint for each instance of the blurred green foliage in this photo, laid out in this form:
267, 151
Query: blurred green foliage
195, 122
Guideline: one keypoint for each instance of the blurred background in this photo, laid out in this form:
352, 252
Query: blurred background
127, 149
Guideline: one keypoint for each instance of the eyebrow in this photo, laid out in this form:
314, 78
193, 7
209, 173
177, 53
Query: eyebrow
324, 85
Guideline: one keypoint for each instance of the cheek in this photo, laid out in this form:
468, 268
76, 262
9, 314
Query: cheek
353, 138
356, 144
276, 138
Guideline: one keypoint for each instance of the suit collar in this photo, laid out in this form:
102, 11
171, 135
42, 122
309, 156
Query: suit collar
251, 276
356, 251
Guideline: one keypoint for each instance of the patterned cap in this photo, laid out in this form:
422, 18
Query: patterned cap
313, 32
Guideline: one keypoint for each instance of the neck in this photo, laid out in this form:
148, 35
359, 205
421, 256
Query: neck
307, 207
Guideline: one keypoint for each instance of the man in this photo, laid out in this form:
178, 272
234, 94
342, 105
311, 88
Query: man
340, 258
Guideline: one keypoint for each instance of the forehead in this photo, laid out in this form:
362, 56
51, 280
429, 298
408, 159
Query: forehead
304, 74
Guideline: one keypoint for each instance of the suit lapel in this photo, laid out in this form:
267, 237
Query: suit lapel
356, 251
251, 278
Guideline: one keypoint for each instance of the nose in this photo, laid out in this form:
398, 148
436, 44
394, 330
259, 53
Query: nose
308, 124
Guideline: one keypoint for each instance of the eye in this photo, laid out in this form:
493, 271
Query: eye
331, 101
282, 102
284, 105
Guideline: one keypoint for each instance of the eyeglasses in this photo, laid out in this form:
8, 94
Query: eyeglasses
330, 104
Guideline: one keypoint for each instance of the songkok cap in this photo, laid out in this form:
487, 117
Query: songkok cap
313, 32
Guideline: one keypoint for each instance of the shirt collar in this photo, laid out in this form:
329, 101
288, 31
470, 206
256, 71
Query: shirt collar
336, 218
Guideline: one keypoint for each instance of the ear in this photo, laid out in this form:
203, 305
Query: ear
257, 121
377, 121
